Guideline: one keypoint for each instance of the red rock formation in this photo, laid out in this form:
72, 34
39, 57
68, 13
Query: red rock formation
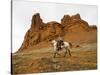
74, 23
36, 22
33, 35
93, 27
40, 31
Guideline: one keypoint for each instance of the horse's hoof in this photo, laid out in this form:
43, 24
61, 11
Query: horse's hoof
64, 56
54, 57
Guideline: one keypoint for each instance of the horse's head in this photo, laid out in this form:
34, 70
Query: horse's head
52, 41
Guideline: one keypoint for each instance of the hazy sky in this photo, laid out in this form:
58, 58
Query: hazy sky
23, 11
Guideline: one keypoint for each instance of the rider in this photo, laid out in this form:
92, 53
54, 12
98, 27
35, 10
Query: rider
59, 42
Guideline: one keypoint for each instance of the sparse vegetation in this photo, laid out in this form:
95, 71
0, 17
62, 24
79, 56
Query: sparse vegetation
41, 60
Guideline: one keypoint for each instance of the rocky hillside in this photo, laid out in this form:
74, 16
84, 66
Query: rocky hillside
40, 31
74, 23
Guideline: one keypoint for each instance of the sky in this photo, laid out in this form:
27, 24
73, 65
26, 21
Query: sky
22, 12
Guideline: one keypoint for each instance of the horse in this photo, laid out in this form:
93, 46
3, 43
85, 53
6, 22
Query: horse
66, 45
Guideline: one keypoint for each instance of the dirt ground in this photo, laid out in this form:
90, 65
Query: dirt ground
84, 57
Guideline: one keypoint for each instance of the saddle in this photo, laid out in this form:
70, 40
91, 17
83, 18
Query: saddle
59, 44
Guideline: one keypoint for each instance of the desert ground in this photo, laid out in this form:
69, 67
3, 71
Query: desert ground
84, 57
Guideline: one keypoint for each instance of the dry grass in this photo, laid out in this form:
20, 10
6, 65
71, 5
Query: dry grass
83, 57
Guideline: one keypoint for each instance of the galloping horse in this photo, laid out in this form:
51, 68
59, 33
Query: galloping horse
67, 46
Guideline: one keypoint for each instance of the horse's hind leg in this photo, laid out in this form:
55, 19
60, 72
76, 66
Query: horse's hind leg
69, 52
65, 52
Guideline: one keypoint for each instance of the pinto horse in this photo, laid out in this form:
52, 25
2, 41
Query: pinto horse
66, 46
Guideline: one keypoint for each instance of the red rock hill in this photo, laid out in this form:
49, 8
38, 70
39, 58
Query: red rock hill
40, 31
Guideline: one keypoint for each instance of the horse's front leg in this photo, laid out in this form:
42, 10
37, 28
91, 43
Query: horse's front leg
54, 55
55, 52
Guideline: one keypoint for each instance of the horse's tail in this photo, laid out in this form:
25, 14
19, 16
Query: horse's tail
70, 44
